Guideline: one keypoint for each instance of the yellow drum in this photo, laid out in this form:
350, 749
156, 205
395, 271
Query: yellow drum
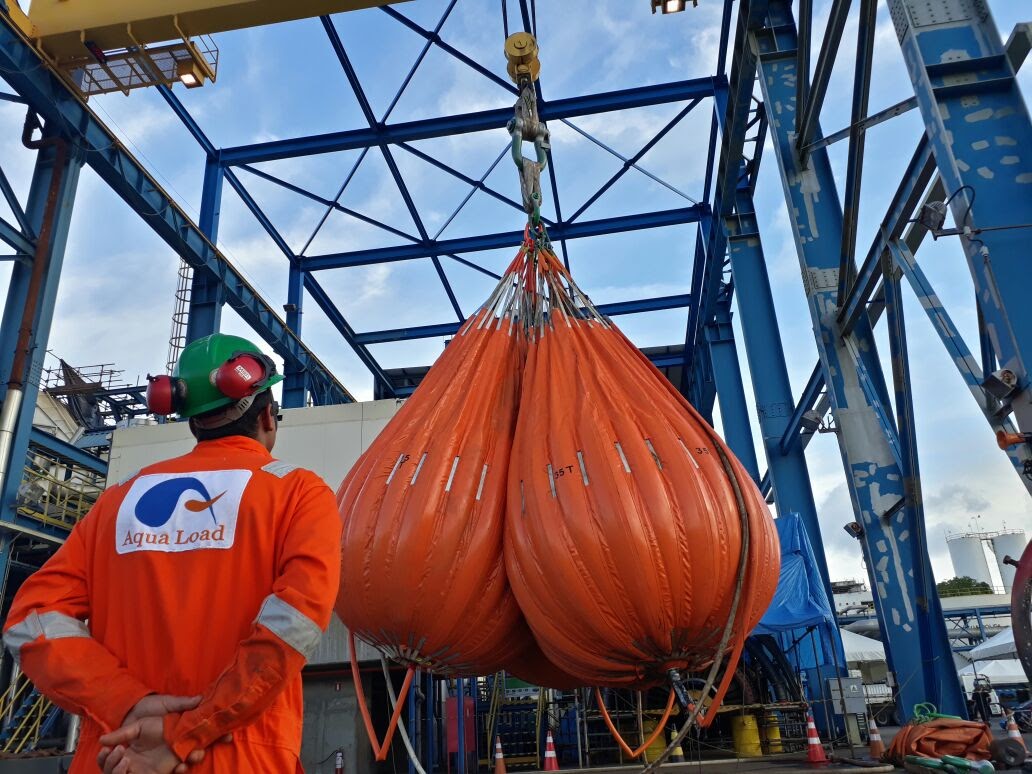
746, 736
770, 734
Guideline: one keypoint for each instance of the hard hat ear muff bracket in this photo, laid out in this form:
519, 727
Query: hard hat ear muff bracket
243, 374
165, 394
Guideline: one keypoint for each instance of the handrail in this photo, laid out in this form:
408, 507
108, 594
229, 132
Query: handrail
28, 731
14, 695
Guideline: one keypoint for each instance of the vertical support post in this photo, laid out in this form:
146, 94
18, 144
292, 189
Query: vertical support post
980, 131
48, 164
789, 475
429, 720
773, 391
460, 721
6, 548
206, 297
727, 373
413, 729
295, 382
892, 525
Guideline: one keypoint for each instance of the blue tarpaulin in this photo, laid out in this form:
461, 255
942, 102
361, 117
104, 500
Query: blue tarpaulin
801, 619
800, 599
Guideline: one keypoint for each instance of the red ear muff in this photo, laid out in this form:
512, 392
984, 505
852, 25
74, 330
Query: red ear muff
240, 376
165, 394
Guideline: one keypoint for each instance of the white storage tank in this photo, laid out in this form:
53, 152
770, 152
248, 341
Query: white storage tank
968, 556
1010, 543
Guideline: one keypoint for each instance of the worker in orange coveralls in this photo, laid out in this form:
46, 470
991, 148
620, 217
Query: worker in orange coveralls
206, 581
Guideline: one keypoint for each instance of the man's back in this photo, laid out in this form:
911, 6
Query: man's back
178, 566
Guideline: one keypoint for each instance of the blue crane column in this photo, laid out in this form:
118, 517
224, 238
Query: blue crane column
891, 522
980, 132
789, 475
206, 296
49, 162
727, 375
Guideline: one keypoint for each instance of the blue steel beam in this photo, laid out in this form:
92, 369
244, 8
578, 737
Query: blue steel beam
322, 300
53, 99
358, 215
451, 328
397, 97
807, 119
590, 228
205, 311
628, 163
67, 452
919, 172
474, 187
908, 607
388, 156
633, 165
207, 295
787, 471
857, 140
980, 131
430, 37
727, 375
435, 38
671, 360
12, 201
412, 131
333, 205
807, 402
718, 105
49, 207
473, 183
15, 238
732, 117
957, 348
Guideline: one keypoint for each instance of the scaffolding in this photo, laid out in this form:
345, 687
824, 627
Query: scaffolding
57, 494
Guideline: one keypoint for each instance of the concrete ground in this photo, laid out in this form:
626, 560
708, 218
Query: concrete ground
789, 764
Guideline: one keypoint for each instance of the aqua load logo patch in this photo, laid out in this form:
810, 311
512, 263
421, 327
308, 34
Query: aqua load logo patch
173, 512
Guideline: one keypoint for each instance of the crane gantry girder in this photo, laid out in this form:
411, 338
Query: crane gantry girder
60, 27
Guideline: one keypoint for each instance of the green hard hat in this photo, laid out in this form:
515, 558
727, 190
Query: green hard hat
200, 360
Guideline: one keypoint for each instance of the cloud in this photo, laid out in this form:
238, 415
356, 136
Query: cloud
956, 499
284, 81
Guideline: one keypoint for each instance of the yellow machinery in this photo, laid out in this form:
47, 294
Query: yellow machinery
118, 45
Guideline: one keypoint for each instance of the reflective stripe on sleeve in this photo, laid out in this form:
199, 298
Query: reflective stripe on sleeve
289, 624
50, 626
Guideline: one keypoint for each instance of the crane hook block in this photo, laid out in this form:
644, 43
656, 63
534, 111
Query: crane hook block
521, 51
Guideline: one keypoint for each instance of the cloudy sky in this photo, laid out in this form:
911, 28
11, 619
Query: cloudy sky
116, 292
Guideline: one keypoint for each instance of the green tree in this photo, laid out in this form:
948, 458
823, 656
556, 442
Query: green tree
962, 586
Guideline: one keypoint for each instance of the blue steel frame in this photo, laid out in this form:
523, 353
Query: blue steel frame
973, 100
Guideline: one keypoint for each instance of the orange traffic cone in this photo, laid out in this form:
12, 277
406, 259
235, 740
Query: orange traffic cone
814, 748
499, 758
1013, 732
874, 736
551, 762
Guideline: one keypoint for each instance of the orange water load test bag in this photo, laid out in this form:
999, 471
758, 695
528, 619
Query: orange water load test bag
636, 544
423, 508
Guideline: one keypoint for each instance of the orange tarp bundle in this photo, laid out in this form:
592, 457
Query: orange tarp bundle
943, 736
624, 515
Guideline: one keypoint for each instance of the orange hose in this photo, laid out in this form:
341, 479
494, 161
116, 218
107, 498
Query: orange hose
660, 726
379, 748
